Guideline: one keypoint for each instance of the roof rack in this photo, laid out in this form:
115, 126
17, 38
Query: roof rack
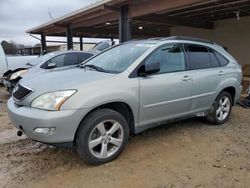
189, 38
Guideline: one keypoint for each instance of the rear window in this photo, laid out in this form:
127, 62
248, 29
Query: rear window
101, 46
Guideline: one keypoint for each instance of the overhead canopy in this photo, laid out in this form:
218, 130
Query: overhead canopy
149, 18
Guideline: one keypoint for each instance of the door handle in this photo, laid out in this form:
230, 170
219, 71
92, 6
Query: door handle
221, 73
186, 78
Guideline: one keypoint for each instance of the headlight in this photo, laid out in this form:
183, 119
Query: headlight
17, 74
53, 100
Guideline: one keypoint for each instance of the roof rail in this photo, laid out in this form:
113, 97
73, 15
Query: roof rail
190, 38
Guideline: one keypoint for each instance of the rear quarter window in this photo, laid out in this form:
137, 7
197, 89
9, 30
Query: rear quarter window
223, 61
214, 61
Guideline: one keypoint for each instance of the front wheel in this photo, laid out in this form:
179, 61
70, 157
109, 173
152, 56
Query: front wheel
102, 136
221, 109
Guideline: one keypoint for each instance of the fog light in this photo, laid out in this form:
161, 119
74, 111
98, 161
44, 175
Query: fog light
46, 130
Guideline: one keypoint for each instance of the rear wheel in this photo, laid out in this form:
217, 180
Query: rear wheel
221, 109
102, 136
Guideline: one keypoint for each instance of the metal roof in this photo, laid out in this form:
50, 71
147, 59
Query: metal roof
154, 16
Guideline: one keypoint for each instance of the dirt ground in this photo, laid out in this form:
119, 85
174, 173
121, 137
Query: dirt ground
190, 153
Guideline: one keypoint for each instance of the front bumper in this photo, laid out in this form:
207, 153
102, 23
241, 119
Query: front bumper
9, 84
27, 119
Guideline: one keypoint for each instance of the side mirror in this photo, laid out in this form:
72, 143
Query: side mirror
149, 68
51, 65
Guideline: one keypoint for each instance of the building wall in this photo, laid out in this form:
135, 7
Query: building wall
231, 33
53, 48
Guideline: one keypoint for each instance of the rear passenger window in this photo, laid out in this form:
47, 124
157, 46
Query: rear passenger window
71, 59
198, 57
84, 56
223, 61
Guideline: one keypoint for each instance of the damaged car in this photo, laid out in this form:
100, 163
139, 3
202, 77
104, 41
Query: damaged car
50, 61
47, 62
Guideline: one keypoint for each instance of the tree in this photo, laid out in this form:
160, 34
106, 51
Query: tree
9, 47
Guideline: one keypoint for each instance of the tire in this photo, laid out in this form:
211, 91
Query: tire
219, 113
98, 132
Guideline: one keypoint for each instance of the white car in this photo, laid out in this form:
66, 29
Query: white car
8, 64
52, 60
3, 63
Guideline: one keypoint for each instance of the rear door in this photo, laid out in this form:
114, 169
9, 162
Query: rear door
166, 94
206, 73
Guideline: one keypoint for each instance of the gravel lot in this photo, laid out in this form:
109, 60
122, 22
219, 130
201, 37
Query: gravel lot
190, 153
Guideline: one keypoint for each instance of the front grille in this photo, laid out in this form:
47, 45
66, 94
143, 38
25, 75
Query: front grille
20, 92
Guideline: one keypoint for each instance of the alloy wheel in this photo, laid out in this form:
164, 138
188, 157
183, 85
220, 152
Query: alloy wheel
223, 108
106, 139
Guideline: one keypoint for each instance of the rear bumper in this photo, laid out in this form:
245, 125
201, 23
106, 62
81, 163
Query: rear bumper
27, 119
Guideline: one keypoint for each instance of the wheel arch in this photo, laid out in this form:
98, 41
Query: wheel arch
119, 106
232, 91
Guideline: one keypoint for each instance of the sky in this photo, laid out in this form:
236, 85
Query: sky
17, 16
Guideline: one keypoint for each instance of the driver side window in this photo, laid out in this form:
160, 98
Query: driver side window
58, 60
171, 58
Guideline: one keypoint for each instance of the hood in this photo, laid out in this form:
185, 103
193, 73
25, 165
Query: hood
54, 80
36, 70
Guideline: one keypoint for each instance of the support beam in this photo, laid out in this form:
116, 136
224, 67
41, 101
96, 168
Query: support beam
43, 43
81, 47
170, 20
124, 24
69, 39
112, 40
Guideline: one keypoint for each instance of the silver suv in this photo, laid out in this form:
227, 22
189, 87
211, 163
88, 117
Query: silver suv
124, 90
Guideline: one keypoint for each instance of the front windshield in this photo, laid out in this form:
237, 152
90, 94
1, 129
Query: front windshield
42, 58
119, 58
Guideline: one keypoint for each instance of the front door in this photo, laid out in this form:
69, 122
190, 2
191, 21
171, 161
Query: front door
166, 94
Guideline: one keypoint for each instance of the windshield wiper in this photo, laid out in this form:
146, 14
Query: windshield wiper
94, 67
